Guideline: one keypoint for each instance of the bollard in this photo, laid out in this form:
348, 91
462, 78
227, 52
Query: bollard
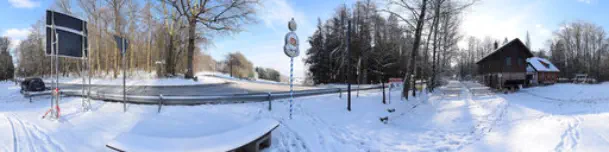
269, 98
160, 102
340, 93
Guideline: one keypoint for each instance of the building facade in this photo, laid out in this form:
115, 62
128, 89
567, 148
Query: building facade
505, 67
541, 71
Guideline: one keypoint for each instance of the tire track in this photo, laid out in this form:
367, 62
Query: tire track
31, 137
15, 143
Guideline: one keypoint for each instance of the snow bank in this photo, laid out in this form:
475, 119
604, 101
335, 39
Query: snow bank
572, 92
158, 139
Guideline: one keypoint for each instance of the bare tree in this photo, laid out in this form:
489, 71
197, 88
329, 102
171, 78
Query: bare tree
416, 9
214, 16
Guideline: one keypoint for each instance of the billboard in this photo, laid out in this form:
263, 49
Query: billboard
69, 44
66, 34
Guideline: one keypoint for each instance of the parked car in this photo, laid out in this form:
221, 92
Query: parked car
32, 84
563, 80
583, 78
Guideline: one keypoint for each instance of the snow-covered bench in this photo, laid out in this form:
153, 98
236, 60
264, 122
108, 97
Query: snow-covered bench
476, 91
246, 138
451, 91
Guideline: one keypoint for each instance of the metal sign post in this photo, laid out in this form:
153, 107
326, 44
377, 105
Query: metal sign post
122, 45
290, 49
72, 32
85, 102
56, 110
124, 78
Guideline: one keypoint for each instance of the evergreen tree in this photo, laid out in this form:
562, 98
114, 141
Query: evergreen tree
7, 68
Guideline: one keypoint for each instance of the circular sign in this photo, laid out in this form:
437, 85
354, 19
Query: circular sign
292, 25
291, 45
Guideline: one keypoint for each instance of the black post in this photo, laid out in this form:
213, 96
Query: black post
269, 98
383, 85
230, 63
348, 66
124, 76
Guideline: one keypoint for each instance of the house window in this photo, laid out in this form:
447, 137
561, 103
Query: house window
508, 61
520, 61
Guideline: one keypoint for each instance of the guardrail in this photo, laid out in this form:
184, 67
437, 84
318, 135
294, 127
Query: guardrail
198, 99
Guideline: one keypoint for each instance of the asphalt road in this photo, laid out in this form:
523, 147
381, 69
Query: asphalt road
229, 88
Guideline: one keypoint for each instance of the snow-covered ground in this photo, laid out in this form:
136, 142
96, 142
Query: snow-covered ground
561, 117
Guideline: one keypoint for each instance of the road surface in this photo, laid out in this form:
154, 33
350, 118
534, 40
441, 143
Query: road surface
228, 88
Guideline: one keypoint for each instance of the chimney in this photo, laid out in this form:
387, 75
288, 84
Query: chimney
496, 45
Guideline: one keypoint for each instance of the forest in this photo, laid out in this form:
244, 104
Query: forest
412, 39
166, 36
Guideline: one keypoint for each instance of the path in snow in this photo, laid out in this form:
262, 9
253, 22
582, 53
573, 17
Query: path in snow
28, 137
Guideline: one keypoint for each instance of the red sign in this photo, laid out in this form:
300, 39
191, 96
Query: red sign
395, 80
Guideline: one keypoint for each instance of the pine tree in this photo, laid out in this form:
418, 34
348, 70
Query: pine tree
7, 68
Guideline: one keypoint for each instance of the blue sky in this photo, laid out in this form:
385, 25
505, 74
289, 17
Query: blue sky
262, 42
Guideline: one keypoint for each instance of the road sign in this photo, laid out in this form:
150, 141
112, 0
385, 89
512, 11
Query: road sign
291, 45
66, 34
119, 43
69, 45
290, 49
292, 25
66, 21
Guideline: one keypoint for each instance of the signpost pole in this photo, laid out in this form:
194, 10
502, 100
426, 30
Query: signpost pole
291, 84
291, 50
82, 70
56, 110
348, 66
124, 78
52, 62
89, 83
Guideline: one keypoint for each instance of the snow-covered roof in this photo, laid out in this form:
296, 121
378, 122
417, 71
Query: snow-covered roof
542, 65
512, 42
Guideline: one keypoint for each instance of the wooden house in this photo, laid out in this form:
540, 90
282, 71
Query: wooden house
505, 67
541, 71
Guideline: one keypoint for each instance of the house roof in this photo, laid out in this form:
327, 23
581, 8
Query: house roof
515, 41
542, 65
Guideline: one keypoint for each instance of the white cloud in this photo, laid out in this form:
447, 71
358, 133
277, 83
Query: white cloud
277, 13
24, 3
543, 31
585, 1
497, 20
16, 35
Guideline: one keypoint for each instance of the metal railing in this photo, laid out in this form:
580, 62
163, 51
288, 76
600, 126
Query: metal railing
198, 99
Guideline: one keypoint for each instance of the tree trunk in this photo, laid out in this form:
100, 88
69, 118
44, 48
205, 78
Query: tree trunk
435, 45
415, 48
169, 65
191, 47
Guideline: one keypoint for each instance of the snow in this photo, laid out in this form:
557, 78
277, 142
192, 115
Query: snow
560, 117
222, 138
538, 64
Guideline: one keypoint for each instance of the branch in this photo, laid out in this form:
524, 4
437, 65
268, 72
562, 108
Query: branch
399, 16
